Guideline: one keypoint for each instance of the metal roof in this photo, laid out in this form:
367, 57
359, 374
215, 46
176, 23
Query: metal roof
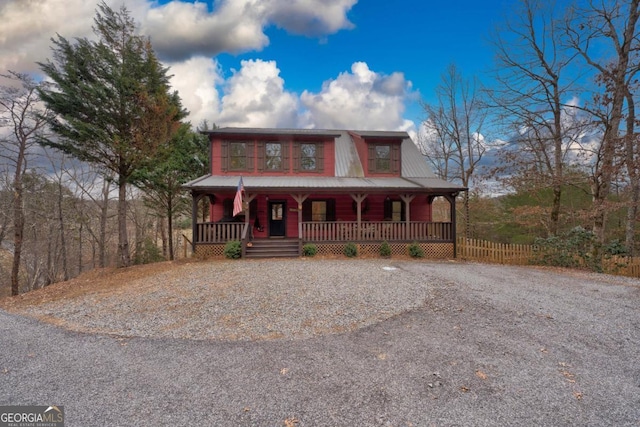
318, 184
381, 134
273, 131
413, 163
347, 161
349, 173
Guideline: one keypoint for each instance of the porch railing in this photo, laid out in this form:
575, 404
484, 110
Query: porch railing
376, 231
218, 232
340, 231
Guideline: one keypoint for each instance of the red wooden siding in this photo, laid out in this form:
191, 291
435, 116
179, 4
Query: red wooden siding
373, 209
254, 147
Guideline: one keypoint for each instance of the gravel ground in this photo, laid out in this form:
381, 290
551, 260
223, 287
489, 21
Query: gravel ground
332, 343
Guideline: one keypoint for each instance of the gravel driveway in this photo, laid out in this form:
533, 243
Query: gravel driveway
417, 343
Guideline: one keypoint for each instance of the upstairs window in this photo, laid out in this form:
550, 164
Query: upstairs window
273, 156
308, 160
237, 156
308, 157
384, 158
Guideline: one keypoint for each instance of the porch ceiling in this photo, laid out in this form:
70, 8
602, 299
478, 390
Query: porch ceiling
321, 184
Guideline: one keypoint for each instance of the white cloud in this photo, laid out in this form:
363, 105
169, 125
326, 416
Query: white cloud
28, 26
310, 17
255, 97
187, 35
178, 29
196, 81
361, 99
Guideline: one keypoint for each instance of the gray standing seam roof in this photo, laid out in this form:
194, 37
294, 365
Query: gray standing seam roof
349, 171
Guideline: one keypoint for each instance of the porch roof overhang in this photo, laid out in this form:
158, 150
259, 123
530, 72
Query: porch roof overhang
285, 184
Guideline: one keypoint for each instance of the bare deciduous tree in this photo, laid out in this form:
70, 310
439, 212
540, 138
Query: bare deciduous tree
26, 118
452, 137
605, 35
533, 95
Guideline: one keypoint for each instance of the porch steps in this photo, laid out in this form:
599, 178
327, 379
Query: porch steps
270, 248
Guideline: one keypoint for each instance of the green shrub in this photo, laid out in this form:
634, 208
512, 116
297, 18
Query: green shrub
351, 250
415, 251
385, 249
616, 248
233, 249
309, 249
577, 247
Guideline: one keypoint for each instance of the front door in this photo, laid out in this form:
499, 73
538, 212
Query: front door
277, 219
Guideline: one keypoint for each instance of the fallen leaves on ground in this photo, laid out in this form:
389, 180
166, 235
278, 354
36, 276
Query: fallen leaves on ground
481, 375
291, 422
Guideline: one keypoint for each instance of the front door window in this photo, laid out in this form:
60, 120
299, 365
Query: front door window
277, 224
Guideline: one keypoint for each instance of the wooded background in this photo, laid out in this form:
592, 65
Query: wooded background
93, 157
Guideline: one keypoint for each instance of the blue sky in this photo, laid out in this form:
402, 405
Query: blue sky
285, 63
415, 37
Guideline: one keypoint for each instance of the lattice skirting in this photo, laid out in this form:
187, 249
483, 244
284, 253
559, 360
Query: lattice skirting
209, 251
431, 250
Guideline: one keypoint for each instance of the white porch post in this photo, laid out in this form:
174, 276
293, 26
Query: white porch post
359, 198
299, 198
407, 198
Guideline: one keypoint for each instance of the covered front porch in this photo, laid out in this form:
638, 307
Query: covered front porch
326, 219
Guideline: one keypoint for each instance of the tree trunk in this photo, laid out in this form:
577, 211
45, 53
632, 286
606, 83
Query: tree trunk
555, 209
63, 245
163, 236
632, 214
18, 220
170, 226
80, 248
124, 258
467, 220
632, 157
18, 230
104, 214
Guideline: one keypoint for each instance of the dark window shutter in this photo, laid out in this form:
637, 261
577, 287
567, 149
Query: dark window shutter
253, 208
261, 155
331, 209
306, 211
251, 156
227, 208
224, 156
372, 158
395, 158
296, 156
388, 209
319, 157
285, 156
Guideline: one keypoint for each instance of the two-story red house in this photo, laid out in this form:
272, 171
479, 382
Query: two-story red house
327, 187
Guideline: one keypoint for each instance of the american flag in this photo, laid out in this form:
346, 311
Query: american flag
237, 201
